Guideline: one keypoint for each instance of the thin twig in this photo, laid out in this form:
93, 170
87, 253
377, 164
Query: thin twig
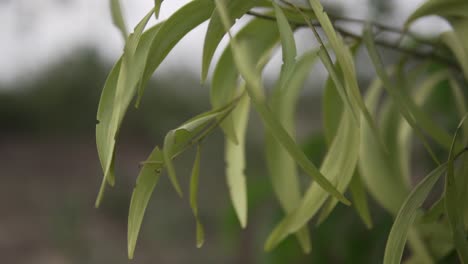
413, 52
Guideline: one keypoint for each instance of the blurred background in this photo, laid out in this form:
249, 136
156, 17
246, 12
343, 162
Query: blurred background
55, 58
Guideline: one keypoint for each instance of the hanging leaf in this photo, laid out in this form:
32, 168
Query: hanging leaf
443, 8
157, 8
397, 96
177, 26
281, 167
200, 233
454, 207
178, 139
235, 161
116, 95
254, 89
117, 18
216, 30
406, 216
261, 37
147, 179
358, 193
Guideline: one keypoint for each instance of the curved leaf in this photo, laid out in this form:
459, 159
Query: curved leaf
454, 207
216, 30
443, 8
147, 179
117, 17
116, 95
194, 196
406, 216
262, 37
235, 161
177, 26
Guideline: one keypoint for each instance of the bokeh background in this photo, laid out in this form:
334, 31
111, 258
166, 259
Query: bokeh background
55, 55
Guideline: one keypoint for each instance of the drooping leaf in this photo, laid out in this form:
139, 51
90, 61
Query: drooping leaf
395, 93
378, 171
262, 36
359, 196
117, 17
454, 207
406, 216
332, 109
177, 139
147, 179
338, 167
281, 167
235, 161
200, 233
254, 89
216, 30
443, 8
177, 26
457, 41
157, 8
116, 96
288, 43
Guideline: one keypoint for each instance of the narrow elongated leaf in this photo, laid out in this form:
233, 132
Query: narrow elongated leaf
457, 41
398, 97
216, 30
338, 166
157, 8
177, 139
443, 8
116, 96
147, 179
254, 89
360, 199
235, 161
454, 207
406, 216
281, 166
117, 17
177, 26
332, 109
288, 43
200, 233
262, 36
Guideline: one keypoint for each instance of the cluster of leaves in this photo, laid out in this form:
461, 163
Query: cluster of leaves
369, 136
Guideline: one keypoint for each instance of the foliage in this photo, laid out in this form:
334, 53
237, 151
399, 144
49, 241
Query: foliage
369, 135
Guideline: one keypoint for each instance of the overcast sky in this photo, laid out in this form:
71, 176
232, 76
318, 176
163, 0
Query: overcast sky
35, 33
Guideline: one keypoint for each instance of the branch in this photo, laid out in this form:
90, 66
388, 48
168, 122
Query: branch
345, 32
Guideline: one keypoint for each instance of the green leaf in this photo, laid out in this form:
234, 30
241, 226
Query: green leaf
254, 89
444, 8
281, 167
235, 161
457, 41
216, 30
262, 37
395, 93
406, 216
454, 207
117, 17
116, 96
147, 179
358, 193
177, 139
338, 166
288, 43
177, 26
157, 8
193, 198
377, 170
332, 110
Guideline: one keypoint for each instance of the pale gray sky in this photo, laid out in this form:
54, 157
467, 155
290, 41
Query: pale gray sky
35, 33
